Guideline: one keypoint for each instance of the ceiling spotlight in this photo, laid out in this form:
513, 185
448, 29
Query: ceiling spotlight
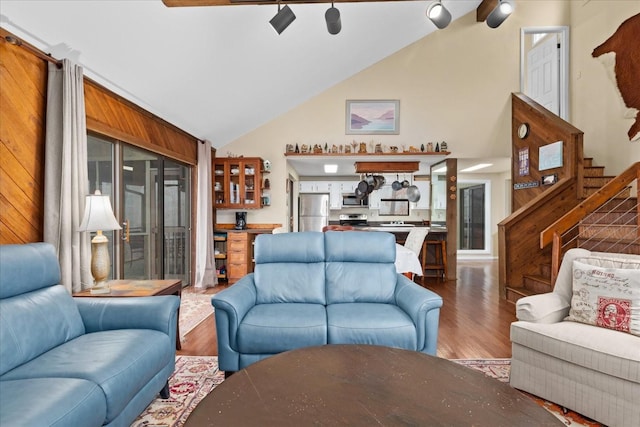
499, 14
283, 18
332, 16
438, 14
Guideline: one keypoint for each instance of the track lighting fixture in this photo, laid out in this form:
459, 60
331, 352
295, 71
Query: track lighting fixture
438, 14
500, 13
282, 19
332, 16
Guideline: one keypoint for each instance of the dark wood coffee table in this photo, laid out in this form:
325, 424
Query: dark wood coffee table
141, 288
361, 385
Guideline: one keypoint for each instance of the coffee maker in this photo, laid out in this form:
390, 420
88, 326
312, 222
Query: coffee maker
241, 220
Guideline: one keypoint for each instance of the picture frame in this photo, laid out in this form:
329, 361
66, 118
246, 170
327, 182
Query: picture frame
372, 117
550, 156
523, 161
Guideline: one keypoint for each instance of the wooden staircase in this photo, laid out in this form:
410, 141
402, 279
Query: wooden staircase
613, 227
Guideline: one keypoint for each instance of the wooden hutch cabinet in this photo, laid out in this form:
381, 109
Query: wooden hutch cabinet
238, 182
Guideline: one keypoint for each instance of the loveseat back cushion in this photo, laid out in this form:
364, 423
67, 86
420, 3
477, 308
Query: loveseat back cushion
360, 267
33, 323
290, 268
27, 267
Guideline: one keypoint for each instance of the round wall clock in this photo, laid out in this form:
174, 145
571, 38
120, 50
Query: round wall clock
523, 130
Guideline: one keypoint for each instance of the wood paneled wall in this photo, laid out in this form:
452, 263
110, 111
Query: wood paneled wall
23, 91
544, 129
114, 116
536, 208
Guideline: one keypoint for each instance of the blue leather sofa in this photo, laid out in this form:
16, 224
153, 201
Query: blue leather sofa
313, 288
77, 362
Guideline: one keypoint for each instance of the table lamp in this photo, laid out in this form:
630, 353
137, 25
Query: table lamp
98, 216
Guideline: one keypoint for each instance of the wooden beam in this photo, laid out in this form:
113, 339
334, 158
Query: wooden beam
484, 9
379, 167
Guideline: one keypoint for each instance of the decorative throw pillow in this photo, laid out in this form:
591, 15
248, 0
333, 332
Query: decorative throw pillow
608, 297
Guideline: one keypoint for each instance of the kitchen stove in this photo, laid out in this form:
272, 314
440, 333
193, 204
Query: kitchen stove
353, 219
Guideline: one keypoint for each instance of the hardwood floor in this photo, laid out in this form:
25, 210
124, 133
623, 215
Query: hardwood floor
474, 322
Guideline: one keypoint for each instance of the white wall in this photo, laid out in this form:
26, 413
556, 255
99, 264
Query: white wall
455, 85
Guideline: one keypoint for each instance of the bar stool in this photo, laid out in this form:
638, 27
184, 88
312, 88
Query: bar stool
439, 258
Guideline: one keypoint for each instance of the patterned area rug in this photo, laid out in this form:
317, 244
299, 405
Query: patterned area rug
194, 308
500, 368
193, 379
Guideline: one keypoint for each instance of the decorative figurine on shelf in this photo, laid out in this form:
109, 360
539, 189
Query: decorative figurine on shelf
378, 148
429, 147
443, 146
347, 149
437, 148
317, 149
393, 149
422, 147
297, 148
304, 148
267, 165
267, 184
326, 147
289, 148
340, 148
334, 148
363, 147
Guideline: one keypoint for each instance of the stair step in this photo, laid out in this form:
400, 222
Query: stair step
620, 205
545, 270
593, 171
597, 181
537, 284
587, 162
587, 191
611, 218
623, 233
609, 246
514, 293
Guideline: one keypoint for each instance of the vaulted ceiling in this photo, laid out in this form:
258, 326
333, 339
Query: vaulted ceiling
219, 72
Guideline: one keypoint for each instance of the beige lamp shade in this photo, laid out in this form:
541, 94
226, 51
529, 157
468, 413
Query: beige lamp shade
98, 215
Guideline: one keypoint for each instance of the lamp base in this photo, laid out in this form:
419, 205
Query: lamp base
101, 289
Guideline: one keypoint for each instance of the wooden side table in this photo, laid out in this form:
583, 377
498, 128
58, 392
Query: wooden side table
141, 288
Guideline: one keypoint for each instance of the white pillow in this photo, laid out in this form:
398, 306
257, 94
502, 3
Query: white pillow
607, 296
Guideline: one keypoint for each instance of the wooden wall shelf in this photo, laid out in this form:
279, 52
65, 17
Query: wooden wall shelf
382, 155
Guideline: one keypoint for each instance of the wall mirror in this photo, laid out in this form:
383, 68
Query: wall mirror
544, 67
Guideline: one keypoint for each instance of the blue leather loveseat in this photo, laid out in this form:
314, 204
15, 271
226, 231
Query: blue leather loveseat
77, 362
313, 288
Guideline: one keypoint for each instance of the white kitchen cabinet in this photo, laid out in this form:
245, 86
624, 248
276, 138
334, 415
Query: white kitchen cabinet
425, 194
374, 200
315, 186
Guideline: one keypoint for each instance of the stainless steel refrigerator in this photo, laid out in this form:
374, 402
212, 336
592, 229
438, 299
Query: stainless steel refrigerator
313, 211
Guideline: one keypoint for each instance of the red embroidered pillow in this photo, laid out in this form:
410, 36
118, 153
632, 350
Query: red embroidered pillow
606, 296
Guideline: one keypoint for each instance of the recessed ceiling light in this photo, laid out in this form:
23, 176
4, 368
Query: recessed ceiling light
330, 168
476, 167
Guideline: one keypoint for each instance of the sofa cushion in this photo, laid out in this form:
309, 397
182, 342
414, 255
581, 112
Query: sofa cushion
57, 402
35, 322
370, 323
360, 267
611, 352
121, 362
274, 328
606, 293
301, 256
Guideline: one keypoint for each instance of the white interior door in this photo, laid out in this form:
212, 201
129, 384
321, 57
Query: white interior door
544, 74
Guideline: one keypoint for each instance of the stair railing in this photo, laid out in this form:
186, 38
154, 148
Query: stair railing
563, 233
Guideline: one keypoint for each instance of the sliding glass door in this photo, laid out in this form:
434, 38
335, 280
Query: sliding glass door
151, 198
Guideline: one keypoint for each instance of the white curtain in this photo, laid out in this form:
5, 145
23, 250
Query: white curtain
206, 276
65, 174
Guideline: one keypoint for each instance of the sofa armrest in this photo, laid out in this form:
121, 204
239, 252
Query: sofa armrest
543, 308
423, 306
231, 305
158, 313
